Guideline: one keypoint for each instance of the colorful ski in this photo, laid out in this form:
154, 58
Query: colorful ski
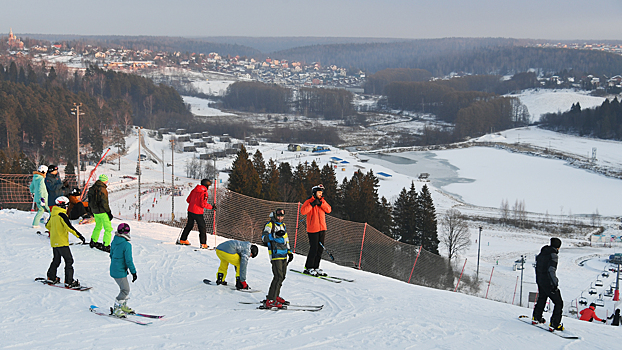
290, 305
60, 285
326, 278
564, 334
94, 309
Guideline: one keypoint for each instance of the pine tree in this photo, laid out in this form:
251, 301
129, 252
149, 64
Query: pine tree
260, 165
271, 187
429, 234
384, 220
239, 172
404, 215
329, 180
286, 187
298, 183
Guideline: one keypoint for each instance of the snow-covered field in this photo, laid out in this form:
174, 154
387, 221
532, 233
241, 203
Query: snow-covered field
543, 101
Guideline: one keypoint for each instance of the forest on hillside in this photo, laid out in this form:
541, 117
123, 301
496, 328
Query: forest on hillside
604, 121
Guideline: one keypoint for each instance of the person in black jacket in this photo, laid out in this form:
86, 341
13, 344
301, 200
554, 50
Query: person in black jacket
548, 285
616, 318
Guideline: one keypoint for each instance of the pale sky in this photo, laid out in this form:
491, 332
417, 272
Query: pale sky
533, 19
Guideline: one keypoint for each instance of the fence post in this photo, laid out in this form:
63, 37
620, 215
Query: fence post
516, 286
490, 280
297, 223
362, 242
459, 278
413, 269
214, 210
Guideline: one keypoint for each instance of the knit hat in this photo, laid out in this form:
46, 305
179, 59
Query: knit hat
52, 168
556, 242
103, 177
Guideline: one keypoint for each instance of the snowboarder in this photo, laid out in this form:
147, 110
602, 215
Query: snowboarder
197, 203
589, 314
120, 262
615, 317
235, 253
40, 194
98, 202
315, 209
59, 227
548, 285
275, 237
53, 184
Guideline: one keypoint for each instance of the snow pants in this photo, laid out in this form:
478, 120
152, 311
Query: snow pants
315, 249
124, 286
545, 292
65, 253
102, 220
225, 260
200, 220
279, 268
39, 215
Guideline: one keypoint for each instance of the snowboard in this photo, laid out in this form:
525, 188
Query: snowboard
564, 334
60, 285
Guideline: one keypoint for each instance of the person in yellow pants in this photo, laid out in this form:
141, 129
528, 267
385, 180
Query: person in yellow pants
235, 253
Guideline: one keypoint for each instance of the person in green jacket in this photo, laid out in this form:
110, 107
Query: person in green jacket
120, 262
59, 227
40, 194
98, 202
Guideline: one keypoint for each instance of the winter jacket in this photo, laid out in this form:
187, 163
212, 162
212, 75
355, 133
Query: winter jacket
197, 200
278, 246
589, 314
37, 187
54, 187
546, 267
59, 226
121, 258
241, 248
615, 317
316, 220
75, 211
98, 198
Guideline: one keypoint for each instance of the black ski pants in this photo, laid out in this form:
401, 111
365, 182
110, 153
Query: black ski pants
315, 249
279, 269
200, 220
545, 291
65, 253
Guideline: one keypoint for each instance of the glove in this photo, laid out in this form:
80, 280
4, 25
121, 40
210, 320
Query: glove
134, 277
214, 207
42, 200
313, 204
604, 321
66, 183
280, 233
318, 202
290, 257
110, 216
82, 238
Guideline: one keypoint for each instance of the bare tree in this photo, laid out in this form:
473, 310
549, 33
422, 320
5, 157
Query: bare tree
505, 211
455, 234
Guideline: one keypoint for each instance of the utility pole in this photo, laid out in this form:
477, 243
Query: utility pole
522, 268
172, 141
139, 171
479, 243
163, 166
76, 111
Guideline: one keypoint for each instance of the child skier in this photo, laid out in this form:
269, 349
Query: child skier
121, 261
59, 227
235, 253
275, 237
589, 314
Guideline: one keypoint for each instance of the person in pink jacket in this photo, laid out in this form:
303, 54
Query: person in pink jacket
315, 209
197, 203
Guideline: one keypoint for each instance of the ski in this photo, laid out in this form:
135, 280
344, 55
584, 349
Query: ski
94, 309
60, 285
290, 305
289, 308
326, 278
208, 282
563, 334
145, 315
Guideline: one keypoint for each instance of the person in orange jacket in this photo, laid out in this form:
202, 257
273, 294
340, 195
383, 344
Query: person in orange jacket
197, 203
589, 314
315, 209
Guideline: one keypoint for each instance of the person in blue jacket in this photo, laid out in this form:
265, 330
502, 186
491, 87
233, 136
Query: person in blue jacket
120, 262
235, 253
39, 193
275, 237
55, 187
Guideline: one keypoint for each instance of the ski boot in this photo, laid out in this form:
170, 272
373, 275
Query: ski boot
106, 248
183, 242
53, 280
125, 308
559, 327
220, 279
204, 246
73, 284
311, 272
282, 301
117, 310
273, 304
320, 272
535, 321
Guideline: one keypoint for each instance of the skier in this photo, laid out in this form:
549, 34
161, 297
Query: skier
275, 237
120, 262
197, 203
98, 202
40, 194
615, 317
53, 184
235, 253
59, 227
589, 314
548, 285
315, 209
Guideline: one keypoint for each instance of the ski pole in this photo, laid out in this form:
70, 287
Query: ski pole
327, 252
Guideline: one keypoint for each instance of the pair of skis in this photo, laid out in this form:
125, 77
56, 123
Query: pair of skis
291, 307
333, 279
95, 309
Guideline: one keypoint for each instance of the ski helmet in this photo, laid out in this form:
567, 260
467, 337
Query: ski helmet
319, 187
75, 192
62, 201
123, 228
254, 251
206, 182
42, 168
52, 168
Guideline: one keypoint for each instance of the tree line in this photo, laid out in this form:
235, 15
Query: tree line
604, 121
411, 219
36, 103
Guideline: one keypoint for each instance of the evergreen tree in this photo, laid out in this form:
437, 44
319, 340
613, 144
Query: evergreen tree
329, 180
298, 183
260, 165
384, 219
271, 187
404, 214
70, 169
239, 172
286, 187
312, 175
429, 234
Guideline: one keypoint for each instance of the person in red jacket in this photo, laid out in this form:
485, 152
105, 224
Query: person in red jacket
589, 314
197, 203
315, 209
